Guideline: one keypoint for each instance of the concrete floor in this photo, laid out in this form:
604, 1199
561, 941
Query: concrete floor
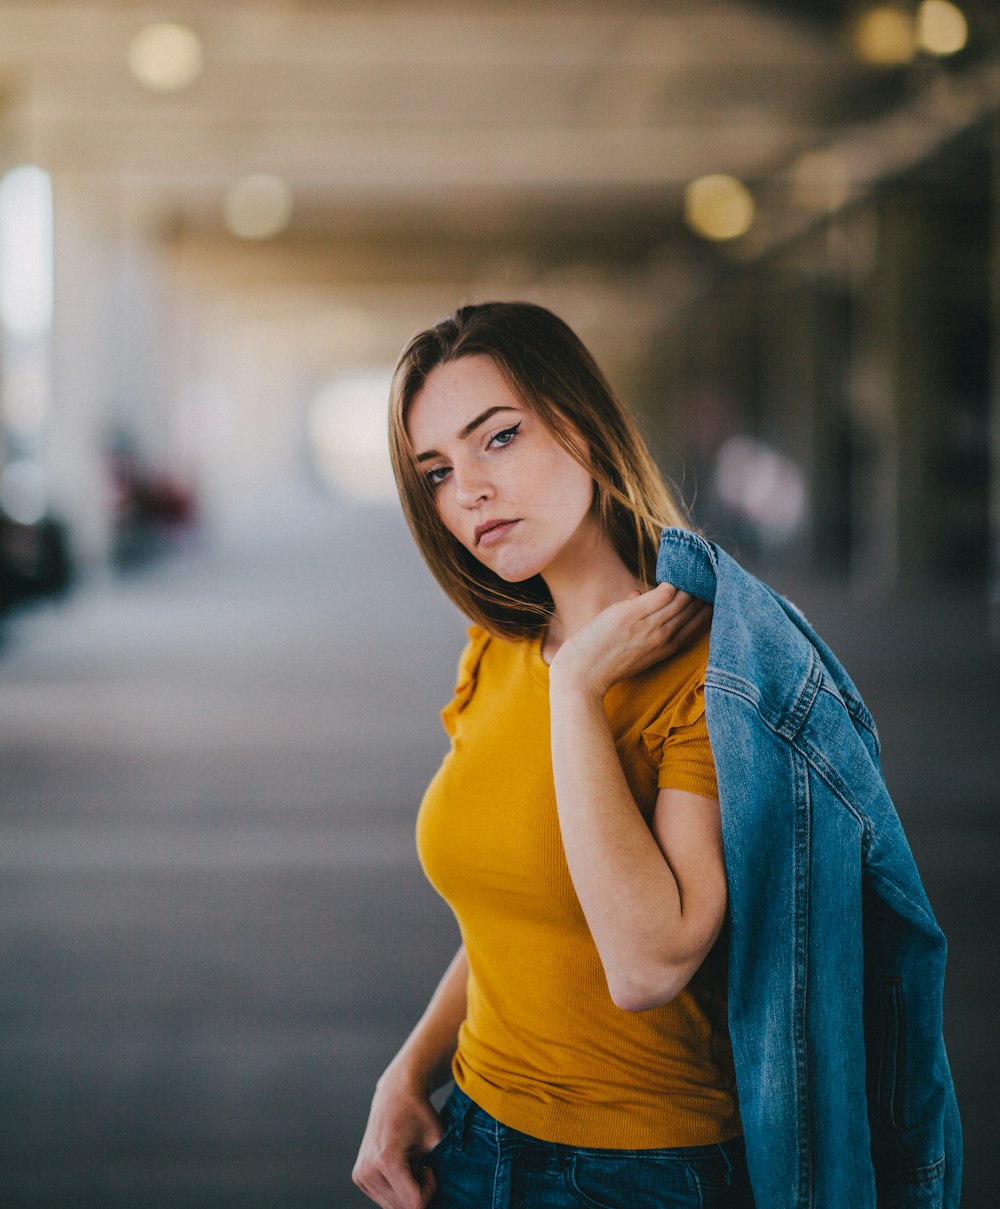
213, 930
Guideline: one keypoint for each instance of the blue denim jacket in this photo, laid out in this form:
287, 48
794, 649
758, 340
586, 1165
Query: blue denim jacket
836, 965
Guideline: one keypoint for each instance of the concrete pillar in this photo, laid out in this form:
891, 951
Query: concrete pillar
913, 353
894, 388
803, 416
237, 388
994, 424
938, 332
84, 348
107, 356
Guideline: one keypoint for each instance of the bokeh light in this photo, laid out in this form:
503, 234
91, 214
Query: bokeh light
718, 207
762, 486
26, 251
166, 56
884, 36
941, 28
258, 206
348, 435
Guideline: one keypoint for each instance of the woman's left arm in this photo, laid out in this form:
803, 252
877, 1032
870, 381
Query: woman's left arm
654, 896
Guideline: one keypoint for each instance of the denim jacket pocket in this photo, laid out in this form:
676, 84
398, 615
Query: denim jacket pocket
889, 1089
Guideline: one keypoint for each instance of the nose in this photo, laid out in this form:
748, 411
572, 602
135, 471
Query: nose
471, 486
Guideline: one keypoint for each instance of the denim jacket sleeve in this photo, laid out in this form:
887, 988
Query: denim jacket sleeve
836, 967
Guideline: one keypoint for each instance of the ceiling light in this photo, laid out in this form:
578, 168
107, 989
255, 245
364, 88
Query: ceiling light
257, 206
166, 56
941, 28
885, 37
718, 207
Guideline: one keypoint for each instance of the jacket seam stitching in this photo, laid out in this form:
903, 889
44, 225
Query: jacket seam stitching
729, 683
917, 1175
893, 895
736, 687
804, 701
741, 687
812, 755
803, 808
836, 786
823, 768
686, 537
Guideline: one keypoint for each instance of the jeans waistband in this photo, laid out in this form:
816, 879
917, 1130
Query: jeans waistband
465, 1114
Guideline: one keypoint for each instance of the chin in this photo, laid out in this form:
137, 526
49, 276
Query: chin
518, 574
514, 577
515, 566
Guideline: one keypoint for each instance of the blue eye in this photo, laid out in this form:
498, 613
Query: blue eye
436, 476
504, 438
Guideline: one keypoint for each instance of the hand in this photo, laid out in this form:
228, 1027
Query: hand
402, 1128
630, 636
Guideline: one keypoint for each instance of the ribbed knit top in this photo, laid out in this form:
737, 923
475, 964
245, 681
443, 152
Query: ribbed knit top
543, 1048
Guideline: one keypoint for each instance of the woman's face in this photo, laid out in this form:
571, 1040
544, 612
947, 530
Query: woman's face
504, 487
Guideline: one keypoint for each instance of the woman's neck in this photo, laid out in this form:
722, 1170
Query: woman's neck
584, 582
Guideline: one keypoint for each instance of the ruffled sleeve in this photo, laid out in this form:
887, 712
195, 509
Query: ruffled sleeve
678, 744
468, 675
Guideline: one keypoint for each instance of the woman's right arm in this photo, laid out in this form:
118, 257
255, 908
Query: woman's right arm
402, 1124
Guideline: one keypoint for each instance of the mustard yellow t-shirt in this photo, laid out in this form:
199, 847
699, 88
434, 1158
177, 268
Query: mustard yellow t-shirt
543, 1047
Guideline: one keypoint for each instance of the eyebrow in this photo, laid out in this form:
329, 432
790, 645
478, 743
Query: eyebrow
467, 430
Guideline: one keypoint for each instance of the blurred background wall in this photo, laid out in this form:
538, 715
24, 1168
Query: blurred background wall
775, 223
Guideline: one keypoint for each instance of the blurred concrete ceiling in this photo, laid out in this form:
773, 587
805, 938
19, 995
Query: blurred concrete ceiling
547, 121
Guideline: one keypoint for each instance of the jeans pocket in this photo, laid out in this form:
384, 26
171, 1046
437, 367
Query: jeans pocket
721, 1173
631, 1180
445, 1140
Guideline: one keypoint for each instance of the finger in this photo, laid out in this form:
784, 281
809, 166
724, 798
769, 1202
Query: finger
689, 629
673, 617
692, 607
428, 1186
408, 1188
394, 1187
675, 604
696, 608
664, 587
377, 1188
669, 624
656, 598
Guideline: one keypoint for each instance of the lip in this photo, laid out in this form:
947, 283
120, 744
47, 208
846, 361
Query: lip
491, 532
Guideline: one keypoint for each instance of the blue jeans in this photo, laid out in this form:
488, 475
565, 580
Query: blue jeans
481, 1164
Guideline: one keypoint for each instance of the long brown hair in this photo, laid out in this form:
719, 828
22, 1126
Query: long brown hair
548, 367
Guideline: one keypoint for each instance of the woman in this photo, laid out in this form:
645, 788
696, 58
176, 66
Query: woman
574, 827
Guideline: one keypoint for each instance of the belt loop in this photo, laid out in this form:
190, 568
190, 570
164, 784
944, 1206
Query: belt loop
729, 1164
459, 1105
